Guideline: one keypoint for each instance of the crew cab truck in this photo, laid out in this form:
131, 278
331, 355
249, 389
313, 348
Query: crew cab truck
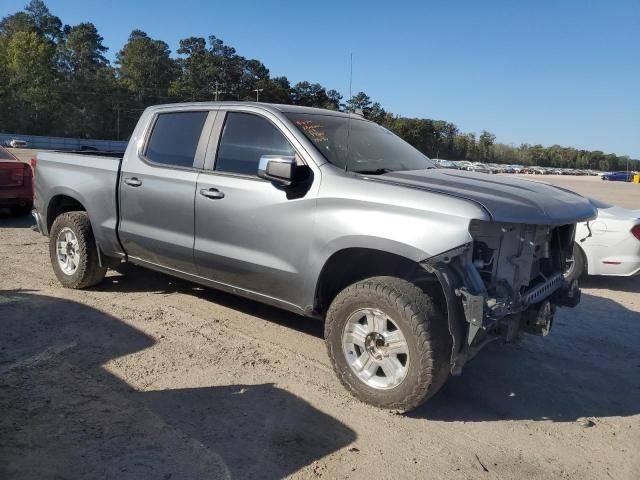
413, 268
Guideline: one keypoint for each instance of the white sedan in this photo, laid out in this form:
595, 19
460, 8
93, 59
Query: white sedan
608, 245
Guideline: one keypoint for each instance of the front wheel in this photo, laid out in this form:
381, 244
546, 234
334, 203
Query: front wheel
73, 251
388, 343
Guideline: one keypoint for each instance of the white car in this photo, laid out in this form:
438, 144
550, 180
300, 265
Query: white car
608, 245
17, 143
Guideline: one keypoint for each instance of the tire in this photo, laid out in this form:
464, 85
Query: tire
87, 271
20, 211
577, 268
423, 326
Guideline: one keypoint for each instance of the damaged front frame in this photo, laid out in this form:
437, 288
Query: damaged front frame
473, 314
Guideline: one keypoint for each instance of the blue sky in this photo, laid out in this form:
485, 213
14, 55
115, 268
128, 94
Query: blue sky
563, 71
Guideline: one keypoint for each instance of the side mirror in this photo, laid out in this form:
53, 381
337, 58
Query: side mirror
277, 169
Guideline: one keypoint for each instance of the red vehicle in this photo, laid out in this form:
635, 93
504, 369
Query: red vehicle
16, 184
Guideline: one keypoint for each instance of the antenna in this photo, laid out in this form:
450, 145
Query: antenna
350, 75
346, 162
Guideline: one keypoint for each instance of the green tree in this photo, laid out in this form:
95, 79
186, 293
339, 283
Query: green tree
30, 61
89, 86
333, 100
82, 51
309, 95
359, 102
46, 23
198, 72
146, 68
486, 141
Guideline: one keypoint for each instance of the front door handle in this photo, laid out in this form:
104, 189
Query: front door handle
212, 193
132, 182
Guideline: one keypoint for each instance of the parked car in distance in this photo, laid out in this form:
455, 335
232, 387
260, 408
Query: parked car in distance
479, 168
463, 164
16, 184
445, 163
608, 245
538, 170
618, 176
16, 143
413, 268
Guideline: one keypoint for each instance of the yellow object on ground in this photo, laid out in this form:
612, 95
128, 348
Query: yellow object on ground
636, 179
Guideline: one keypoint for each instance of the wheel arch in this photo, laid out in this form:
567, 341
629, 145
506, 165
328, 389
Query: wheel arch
62, 203
352, 264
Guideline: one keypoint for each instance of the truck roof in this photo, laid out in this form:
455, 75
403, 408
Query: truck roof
274, 107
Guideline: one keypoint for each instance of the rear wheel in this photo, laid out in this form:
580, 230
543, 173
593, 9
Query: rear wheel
73, 251
388, 343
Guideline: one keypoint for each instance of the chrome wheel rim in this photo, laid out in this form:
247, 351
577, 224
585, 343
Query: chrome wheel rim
67, 251
375, 349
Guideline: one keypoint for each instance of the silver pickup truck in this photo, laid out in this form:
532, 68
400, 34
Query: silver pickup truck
413, 268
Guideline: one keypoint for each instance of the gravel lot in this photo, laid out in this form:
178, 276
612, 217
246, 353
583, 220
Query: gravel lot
146, 376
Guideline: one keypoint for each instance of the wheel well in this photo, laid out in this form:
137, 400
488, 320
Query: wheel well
61, 204
351, 265
584, 258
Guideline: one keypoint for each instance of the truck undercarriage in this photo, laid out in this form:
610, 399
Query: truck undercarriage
508, 280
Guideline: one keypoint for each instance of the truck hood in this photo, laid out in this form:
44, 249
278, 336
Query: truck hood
505, 199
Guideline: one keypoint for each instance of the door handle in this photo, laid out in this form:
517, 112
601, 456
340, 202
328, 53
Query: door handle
212, 193
132, 182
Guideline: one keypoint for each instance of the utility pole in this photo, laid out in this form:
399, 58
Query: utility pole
258, 90
217, 92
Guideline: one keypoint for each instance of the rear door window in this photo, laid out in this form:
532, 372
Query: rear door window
174, 138
245, 139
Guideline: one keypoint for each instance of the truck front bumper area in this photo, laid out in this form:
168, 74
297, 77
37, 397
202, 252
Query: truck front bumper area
476, 319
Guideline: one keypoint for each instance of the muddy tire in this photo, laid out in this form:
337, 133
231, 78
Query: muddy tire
73, 251
388, 343
577, 265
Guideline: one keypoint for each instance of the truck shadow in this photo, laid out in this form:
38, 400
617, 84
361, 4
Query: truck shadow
138, 279
13, 221
67, 416
588, 367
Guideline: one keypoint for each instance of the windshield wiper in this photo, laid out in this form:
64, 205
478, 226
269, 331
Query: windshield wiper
377, 171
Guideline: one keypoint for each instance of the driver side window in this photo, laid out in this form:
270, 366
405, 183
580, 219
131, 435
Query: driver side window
245, 138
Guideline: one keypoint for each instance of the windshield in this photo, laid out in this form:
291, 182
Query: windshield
358, 145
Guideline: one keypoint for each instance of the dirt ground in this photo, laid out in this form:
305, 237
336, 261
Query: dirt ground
146, 376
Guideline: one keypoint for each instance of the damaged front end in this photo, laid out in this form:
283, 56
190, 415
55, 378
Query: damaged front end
510, 279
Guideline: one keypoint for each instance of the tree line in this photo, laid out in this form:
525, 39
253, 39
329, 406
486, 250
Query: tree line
56, 80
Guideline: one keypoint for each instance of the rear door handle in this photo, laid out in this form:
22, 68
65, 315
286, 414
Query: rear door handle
212, 193
133, 182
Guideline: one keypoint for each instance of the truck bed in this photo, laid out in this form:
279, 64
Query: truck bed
90, 179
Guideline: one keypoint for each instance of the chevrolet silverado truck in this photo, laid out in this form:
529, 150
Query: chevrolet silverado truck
413, 268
